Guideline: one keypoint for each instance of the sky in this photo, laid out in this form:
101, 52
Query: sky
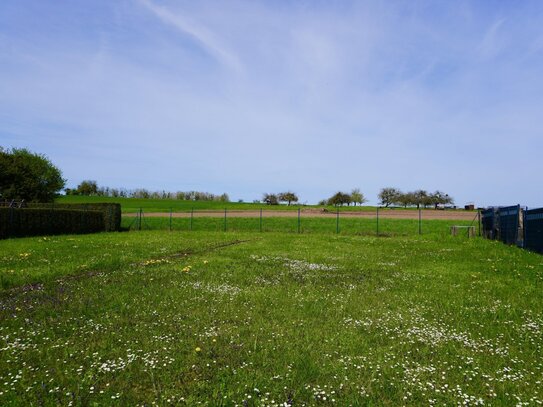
247, 97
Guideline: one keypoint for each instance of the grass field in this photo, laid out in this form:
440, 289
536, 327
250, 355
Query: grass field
352, 226
164, 205
189, 318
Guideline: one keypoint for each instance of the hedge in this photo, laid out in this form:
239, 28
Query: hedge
111, 211
42, 221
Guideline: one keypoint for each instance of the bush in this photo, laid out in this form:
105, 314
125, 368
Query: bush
42, 221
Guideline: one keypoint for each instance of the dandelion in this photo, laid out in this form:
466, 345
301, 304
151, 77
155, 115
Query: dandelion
205, 262
186, 269
198, 349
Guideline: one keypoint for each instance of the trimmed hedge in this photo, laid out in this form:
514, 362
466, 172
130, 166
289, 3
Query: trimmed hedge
41, 221
111, 211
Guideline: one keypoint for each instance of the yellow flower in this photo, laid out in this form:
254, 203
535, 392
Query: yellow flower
205, 262
198, 349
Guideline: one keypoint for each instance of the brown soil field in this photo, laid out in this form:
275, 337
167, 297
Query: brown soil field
315, 213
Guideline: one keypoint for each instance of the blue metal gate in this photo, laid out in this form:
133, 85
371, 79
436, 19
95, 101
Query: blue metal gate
533, 230
509, 221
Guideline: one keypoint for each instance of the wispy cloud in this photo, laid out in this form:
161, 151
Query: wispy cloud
491, 44
198, 32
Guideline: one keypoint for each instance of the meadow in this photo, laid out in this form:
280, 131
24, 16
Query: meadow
238, 318
130, 205
343, 225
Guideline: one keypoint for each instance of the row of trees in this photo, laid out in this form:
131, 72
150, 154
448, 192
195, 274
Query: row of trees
274, 199
344, 198
387, 196
395, 197
91, 188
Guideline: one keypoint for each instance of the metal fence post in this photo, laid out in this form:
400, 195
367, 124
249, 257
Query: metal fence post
377, 221
337, 220
171, 219
141, 215
260, 219
225, 219
191, 216
420, 221
298, 220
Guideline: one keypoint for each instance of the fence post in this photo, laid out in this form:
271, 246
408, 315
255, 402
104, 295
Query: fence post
191, 216
420, 221
377, 221
225, 219
298, 220
260, 219
139, 223
337, 220
171, 219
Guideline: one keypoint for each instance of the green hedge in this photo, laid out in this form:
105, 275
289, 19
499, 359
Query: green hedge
111, 211
43, 221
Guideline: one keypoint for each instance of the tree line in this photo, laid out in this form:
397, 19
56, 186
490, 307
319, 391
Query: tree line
395, 197
91, 188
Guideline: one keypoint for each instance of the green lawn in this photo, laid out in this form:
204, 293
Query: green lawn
165, 205
238, 318
345, 225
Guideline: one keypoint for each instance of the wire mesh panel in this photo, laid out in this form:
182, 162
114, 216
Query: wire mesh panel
509, 224
533, 230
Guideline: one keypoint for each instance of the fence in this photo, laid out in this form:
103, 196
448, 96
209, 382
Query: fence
381, 222
514, 225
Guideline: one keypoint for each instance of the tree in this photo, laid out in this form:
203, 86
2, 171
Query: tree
288, 197
440, 198
357, 197
389, 196
339, 199
29, 176
270, 199
87, 188
405, 199
421, 197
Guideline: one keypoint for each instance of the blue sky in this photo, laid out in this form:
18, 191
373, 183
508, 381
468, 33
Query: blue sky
252, 97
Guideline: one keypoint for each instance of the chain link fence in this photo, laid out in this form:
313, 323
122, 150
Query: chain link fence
381, 222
